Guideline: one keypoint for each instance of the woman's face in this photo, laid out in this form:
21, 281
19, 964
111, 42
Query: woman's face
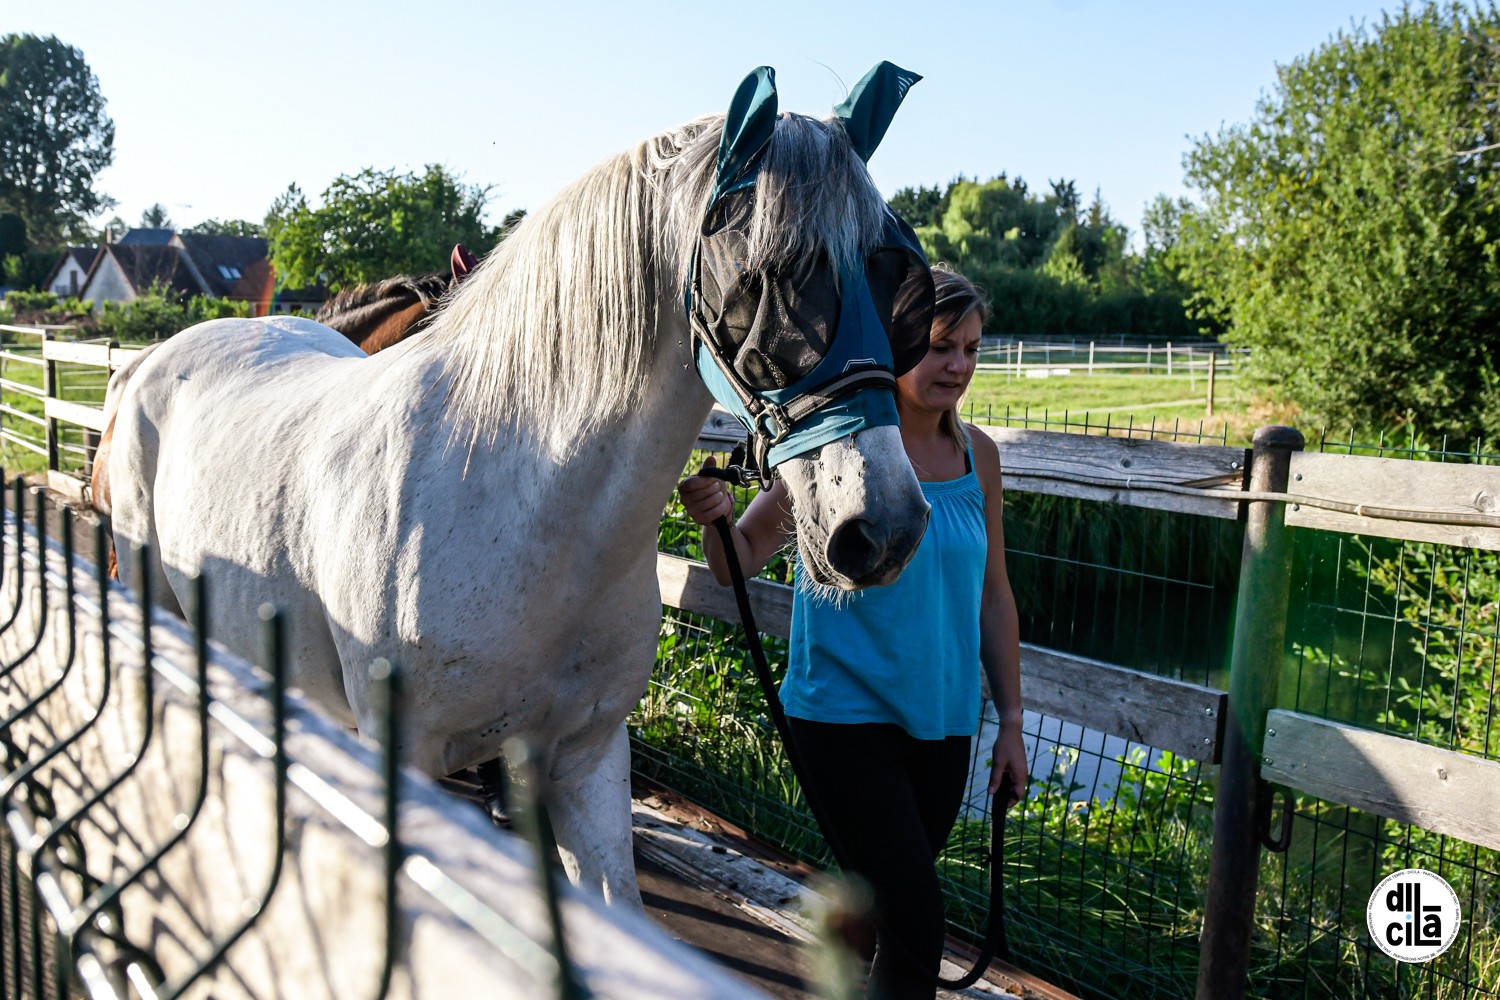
942, 376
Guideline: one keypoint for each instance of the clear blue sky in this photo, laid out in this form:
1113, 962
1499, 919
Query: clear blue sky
219, 106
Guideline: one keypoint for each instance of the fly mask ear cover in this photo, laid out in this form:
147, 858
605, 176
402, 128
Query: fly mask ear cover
803, 359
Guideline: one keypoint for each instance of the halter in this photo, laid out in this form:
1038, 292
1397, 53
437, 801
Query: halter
804, 358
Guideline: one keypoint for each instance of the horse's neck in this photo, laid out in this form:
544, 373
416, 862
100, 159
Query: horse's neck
651, 443
393, 329
616, 478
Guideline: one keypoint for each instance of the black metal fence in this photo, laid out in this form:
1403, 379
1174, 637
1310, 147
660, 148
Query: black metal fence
63, 931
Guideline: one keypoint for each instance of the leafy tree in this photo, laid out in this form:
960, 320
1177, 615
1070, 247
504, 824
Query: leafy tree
110, 231
993, 223
920, 206
1050, 266
375, 224
228, 227
54, 137
27, 269
1161, 263
1348, 233
12, 235
1064, 263
156, 217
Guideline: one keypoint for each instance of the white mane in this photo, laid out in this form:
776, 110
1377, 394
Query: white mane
557, 327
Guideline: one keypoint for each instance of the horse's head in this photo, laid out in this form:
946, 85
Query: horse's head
807, 297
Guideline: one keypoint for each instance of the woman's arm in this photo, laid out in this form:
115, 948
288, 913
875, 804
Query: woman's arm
1000, 628
758, 534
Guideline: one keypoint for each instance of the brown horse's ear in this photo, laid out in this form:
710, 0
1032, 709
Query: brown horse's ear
463, 263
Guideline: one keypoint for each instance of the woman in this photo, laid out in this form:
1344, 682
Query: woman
882, 688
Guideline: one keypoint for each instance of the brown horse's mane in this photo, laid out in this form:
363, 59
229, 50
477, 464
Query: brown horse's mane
355, 305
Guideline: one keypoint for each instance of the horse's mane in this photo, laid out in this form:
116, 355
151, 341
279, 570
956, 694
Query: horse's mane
558, 326
354, 305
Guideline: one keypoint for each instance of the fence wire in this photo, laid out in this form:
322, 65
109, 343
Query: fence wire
1398, 637
1107, 860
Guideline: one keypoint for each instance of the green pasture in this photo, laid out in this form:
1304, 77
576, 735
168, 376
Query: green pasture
1121, 400
76, 383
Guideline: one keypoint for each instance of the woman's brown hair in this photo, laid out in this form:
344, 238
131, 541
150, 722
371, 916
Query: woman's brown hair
957, 297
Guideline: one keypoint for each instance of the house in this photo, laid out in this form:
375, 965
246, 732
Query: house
66, 278
122, 272
189, 264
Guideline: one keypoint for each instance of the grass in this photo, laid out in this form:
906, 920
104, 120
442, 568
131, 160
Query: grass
1122, 400
76, 383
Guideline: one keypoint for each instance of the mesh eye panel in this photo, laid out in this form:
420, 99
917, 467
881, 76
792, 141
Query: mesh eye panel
775, 331
775, 327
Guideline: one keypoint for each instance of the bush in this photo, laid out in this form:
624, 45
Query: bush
159, 314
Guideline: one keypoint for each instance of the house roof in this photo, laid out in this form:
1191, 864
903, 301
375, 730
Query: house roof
234, 267
83, 256
142, 265
145, 237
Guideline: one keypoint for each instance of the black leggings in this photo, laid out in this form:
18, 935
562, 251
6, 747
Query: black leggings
889, 802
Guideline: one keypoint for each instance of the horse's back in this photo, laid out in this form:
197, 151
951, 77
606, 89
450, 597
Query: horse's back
209, 464
249, 347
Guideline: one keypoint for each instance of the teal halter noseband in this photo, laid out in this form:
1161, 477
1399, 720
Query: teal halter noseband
762, 342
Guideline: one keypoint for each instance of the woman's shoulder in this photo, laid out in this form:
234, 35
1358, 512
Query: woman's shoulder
986, 455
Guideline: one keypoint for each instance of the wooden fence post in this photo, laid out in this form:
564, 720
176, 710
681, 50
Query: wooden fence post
1020, 352
49, 391
1169, 357
1091, 357
1212, 361
1254, 673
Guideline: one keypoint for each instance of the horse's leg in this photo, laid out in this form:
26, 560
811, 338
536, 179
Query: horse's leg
126, 531
591, 816
492, 780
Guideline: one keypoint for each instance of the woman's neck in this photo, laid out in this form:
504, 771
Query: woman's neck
933, 453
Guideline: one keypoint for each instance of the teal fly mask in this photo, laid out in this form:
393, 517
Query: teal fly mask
810, 354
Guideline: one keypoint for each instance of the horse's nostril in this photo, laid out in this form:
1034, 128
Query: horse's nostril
854, 548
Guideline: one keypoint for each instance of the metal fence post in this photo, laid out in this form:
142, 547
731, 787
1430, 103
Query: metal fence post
1254, 673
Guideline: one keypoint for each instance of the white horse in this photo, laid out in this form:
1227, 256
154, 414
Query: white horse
480, 504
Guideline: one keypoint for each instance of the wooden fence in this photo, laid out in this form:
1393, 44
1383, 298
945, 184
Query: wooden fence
1273, 487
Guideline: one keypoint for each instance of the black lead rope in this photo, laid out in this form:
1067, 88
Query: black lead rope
994, 941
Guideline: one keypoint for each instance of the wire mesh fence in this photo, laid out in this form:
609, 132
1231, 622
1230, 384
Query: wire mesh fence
1107, 860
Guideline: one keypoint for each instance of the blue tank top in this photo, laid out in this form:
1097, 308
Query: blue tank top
907, 653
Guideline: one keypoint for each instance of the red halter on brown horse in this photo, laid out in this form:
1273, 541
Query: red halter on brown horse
373, 317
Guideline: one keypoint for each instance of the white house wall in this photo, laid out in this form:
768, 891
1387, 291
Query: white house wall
69, 280
108, 284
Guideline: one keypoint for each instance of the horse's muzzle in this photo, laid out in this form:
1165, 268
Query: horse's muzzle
868, 554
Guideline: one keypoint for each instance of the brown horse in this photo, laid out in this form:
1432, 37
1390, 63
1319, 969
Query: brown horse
373, 317
378, 316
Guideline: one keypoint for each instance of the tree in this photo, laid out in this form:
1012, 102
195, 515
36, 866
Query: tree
1348, 233
228, 227
1161, 263
920, 206
156, 217
1050, 265
54, 137
376, 224
110, 231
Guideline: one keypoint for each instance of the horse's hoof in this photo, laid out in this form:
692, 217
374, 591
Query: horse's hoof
499, 815
492, 792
